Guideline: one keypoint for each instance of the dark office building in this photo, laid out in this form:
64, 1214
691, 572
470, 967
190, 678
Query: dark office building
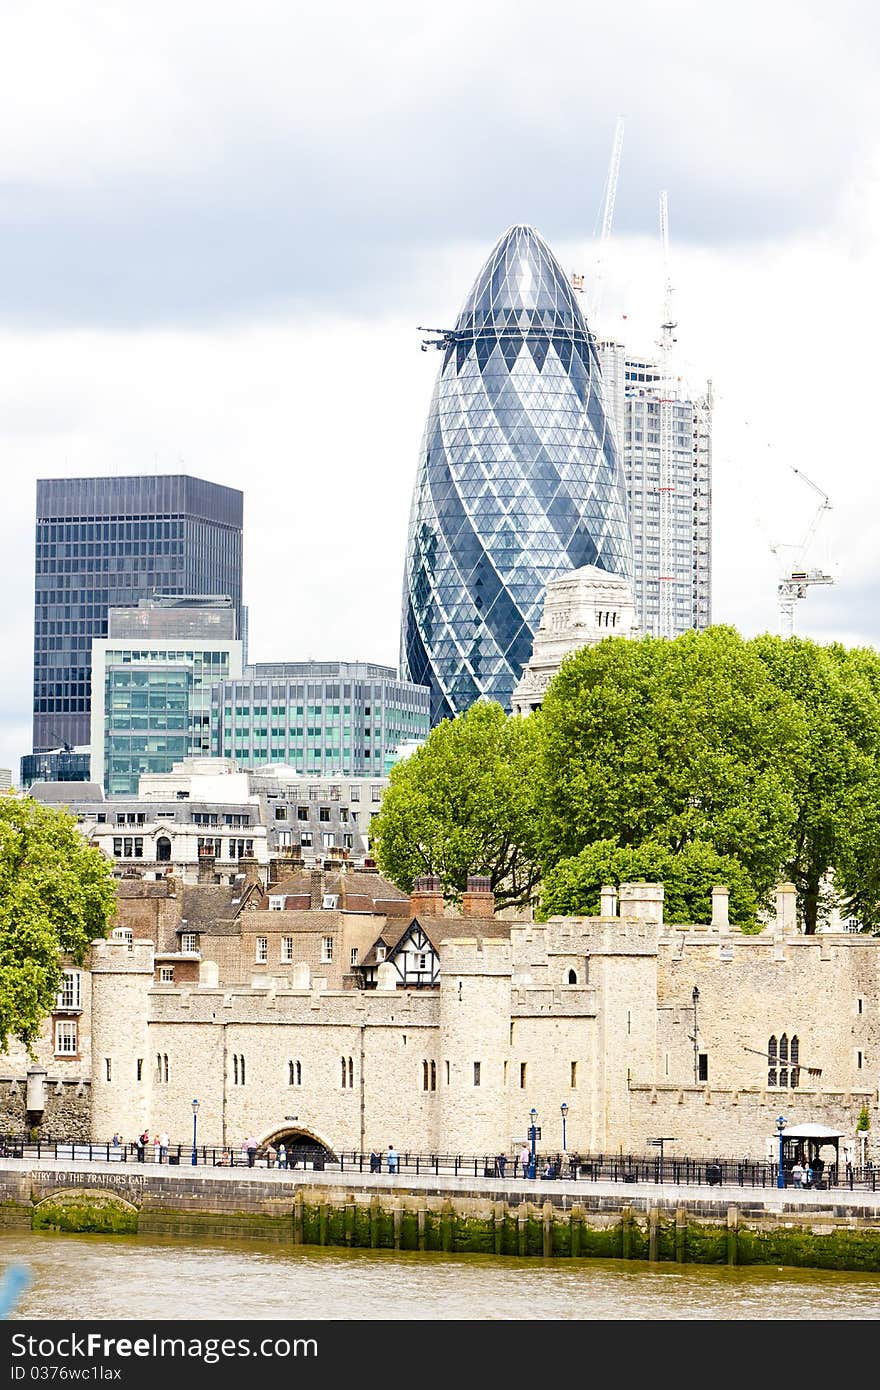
107, 542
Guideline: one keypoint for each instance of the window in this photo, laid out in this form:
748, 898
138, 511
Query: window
286, 950
305, 839
380, 953
140, 1068
70, 993
324, 813
355, 793
281, 813
772, 1056
447, 1073
573, 1079
238, 1069
860, 1059
702, 1066
572, 977
784, 1061
285, 839
302, 812
166, 974
294, 1073
276, 902
476, 1073
66, 1038
433, 1076
326, 950
375, 793
262, 950
328, 839
354, 955
189, 942
347, 1072
522, 1074
425, 1075
108, 1064
350, 1071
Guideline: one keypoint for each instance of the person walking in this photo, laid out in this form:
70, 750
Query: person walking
271, 1155
163, 1146
375, 1161
282, 1155
524, 1157
797, 1174
500, 1164
157, 1149
141, 1145
393, 1159
250, 1145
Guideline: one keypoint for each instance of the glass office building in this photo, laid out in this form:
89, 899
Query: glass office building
156, 669
318, 717
518, 481
102, 542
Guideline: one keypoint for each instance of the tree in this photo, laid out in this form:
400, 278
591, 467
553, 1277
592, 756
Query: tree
465, 803
672, 741
56, 896
688, 877
836, 767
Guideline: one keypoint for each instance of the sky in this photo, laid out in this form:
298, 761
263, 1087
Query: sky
221, 225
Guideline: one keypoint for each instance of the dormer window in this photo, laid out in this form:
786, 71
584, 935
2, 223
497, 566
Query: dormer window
276, 902
380, 953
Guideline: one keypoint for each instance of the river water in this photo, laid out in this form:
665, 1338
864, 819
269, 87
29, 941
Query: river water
141, 1277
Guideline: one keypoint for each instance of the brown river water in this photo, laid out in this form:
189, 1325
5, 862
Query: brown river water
149, 1277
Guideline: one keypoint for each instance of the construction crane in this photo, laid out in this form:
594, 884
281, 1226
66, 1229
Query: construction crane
577, 280
666, 482
797, 578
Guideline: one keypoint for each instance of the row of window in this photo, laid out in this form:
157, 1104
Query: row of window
261, 948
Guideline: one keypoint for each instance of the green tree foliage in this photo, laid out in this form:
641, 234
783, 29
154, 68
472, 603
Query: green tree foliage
672, 742
465, 803
836, 767
688, 877
56, 896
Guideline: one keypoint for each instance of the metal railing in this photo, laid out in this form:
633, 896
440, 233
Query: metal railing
570, 1167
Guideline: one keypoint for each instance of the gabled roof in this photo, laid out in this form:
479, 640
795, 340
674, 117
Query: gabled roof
436, 929
354, 890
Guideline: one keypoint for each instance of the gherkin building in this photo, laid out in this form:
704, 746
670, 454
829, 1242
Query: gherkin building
519, 480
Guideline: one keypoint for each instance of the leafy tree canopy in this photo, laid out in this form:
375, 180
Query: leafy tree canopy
672, 742
572, 887
56, 896
465, 803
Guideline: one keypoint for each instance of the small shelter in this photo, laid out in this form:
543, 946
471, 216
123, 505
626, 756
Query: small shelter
804, 1143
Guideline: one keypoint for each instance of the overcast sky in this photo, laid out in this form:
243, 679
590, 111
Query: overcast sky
220, 225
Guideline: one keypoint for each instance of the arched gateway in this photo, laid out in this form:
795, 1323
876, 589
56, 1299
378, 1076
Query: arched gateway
304, 1146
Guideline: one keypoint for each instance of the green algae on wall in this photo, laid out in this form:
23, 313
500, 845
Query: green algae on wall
81, 1212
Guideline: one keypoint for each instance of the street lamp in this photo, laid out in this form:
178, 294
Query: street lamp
533, 1134
195, 1122
780, 1171
564, 1108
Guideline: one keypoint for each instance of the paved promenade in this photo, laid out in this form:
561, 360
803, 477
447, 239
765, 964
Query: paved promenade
276, 1183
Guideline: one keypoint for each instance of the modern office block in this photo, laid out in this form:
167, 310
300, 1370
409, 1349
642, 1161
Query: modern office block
151, 680
106, 542
318, 717
671, 516
518, 481
56, 765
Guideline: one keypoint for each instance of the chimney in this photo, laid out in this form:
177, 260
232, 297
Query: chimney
206, 866
607, 900
644, 901
720, 904
426, 898
250, 868
335, 858
369, 866
478, 900
316, 886
283, 865
786, 908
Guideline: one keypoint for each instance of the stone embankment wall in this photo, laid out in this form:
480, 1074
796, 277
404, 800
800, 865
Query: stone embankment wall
68, 1112
837, 1233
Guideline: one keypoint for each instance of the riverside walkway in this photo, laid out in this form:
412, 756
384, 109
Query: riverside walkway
210, 1182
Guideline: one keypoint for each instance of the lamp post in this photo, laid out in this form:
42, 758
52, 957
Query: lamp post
533, 1134
780, 1171
695, 995
195, 1122
564, 1109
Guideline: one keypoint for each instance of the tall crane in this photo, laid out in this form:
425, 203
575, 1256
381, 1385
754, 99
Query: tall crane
666, 482
796, 578
607, 219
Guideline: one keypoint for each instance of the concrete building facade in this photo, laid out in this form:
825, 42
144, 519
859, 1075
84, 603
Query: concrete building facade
671, 517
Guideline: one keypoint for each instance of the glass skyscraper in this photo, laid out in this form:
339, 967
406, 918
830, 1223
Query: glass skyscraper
103, 542
518, 481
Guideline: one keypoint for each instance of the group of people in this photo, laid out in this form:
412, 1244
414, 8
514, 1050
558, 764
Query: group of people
392, 1159
803, 1174
160, 1143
